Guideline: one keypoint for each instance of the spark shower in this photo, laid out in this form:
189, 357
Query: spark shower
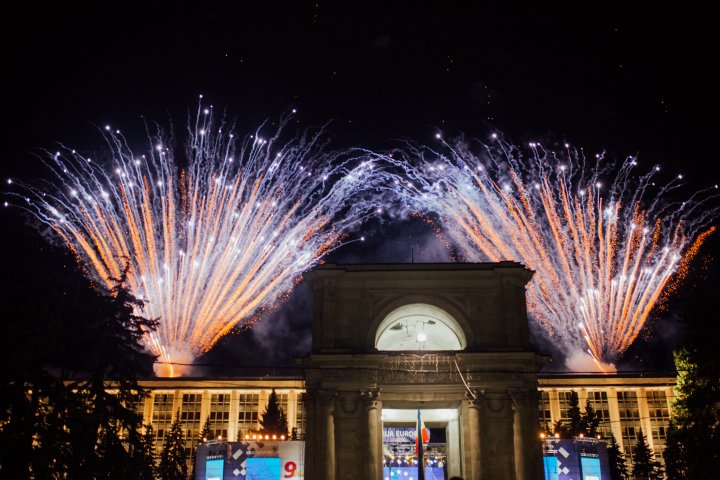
213, 232
606, 241
218, 230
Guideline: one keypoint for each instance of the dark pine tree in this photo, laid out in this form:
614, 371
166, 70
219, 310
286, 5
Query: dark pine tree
205, 435
575, 418
273, 421
616, 459
561, 430
117, 463
590, 420
206, 432
143, 458
675, 455
283, 423
693, 440
645, 467
114, 355
173, 458
68, 338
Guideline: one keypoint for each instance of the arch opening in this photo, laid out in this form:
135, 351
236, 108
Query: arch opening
419, 326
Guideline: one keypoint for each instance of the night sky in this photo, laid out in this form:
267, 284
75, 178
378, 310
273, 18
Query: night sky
626, 79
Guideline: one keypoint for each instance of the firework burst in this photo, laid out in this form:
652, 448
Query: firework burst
209, 244
602, 239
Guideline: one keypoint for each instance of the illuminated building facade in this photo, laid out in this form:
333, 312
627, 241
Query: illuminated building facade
233, 407
624, 402
448, 342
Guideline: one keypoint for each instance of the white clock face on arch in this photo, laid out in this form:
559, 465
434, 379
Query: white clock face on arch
419, 326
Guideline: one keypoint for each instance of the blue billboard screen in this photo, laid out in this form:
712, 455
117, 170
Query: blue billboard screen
214, 469
262, 468
551, 467
590, 468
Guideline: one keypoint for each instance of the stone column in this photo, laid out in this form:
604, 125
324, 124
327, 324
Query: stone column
327, 422
518, 433
291, 411
320, 436
313, 434
454, 451
615, 425
148, 409
497, 461
475, 415
374, 460
205, 409
233, 428
645, 423
527, 446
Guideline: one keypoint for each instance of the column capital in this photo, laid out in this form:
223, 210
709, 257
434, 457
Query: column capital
326, 399
475, 398
522, 398
370, 397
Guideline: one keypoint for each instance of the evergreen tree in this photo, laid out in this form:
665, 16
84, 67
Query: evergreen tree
114, 354
283, 423
585, 423
693, 443
144, 457
575, 418
590, 420
674, 454
58, 421
273, 421
616, 459
173, 458
693, 440
645, 467
116, 463
206, 433
560, 429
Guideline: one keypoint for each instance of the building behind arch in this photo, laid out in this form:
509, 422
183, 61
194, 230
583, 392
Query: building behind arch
449, 340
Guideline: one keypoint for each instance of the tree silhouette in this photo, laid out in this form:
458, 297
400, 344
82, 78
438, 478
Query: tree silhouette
68, 339
173, 458
585, 423
206, 431
283, 423
675, 454
205, 435
575, 419
117, 460
561, 430
693, 438
144, 457
645, 467
590, 420
273, 421
616, 459
114, 354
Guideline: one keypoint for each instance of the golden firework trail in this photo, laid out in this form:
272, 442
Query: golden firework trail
210, 244
602, 241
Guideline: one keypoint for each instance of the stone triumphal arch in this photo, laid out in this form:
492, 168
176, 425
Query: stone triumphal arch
449, 340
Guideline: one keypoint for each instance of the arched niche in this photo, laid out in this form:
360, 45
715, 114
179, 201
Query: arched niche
419, 326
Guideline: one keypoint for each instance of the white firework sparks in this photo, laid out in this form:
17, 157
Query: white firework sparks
210, 244
602, 241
